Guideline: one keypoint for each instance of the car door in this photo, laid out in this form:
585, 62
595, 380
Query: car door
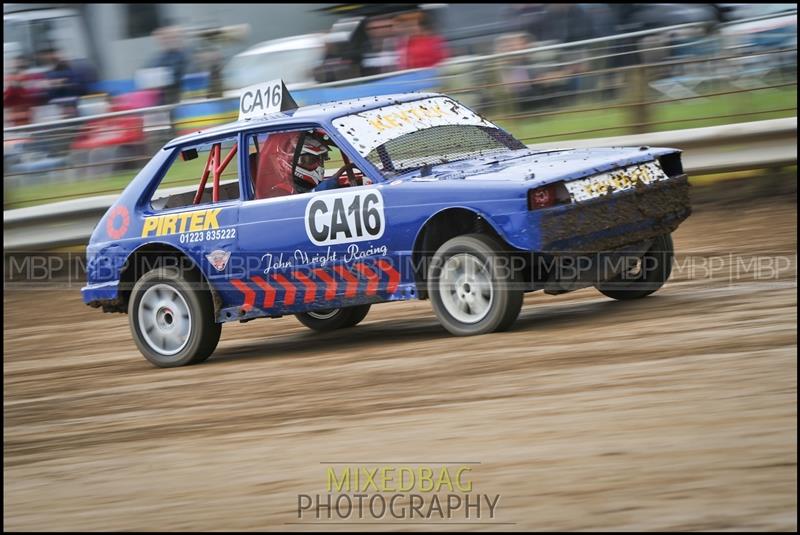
193, 214
312, 250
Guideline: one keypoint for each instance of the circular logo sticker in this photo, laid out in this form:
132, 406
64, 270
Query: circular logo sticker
117, 222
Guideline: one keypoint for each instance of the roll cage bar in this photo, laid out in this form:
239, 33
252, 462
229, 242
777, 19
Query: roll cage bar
217, 167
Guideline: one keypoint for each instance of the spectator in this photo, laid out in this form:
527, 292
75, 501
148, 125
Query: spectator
22, 90
602, 19
422, 47
523, 17
381, 52
86, 74
173, 61
562, 23
209, 59
335, 66
66, 79
511, 80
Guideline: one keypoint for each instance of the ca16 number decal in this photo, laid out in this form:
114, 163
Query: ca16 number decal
345, 217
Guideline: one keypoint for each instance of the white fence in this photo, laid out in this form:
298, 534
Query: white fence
754, 145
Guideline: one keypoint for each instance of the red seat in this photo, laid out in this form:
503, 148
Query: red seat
273, 174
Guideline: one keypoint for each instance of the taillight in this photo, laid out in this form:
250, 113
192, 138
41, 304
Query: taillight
547, 196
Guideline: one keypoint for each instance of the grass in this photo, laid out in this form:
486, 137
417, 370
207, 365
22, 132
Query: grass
694, 113
706, 180
565, 125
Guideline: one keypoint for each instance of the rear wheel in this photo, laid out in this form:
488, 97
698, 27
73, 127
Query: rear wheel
333, 318
172, 319
472, 286
647, 275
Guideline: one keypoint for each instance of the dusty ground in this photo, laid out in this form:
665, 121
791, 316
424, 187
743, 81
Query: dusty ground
676, 412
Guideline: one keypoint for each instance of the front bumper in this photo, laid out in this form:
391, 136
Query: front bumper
614, 220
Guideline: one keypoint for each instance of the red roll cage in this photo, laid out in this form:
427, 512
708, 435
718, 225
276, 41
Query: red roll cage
214, 165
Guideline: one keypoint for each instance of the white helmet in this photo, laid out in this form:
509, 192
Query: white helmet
310, 165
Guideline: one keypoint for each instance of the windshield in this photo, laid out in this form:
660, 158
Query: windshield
404, 137
438, 145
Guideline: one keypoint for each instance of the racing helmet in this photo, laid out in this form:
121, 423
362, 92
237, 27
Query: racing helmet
310, 166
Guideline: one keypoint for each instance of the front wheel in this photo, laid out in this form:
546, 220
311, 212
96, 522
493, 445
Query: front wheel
333, 318
647, 275
472, 286
172, 319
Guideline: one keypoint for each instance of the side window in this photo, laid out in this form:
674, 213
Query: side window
189, 181
297, 161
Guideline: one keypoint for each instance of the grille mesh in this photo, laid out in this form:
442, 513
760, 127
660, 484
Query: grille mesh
438, 145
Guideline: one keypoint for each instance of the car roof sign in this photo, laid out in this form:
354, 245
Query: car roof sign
260, 100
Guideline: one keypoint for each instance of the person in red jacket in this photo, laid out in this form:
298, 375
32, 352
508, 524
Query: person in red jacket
22, 90
422, 48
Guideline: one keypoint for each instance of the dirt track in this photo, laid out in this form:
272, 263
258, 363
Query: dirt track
676, 412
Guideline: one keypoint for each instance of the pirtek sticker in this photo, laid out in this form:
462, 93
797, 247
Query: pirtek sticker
410, 115
164, 225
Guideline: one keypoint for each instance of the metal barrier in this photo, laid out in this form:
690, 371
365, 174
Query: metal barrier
616, 85
753, 145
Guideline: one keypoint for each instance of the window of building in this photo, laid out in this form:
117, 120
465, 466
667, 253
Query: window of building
141, 19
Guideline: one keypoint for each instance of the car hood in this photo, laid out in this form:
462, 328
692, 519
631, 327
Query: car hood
538, 167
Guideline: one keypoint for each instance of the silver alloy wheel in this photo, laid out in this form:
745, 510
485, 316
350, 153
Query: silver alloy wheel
325, 314
164, 319
635, 270
466, 288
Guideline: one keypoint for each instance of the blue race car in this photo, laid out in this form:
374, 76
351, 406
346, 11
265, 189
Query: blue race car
428, 201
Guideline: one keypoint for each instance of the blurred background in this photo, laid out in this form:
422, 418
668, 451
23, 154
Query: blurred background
91, 91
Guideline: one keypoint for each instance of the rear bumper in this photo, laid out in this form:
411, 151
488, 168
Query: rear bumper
613, 221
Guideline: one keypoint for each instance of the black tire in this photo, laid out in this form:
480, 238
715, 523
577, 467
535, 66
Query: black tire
505, 300
330, 320
203, 331
653, 272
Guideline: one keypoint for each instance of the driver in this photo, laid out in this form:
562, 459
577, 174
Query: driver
309, 166
309, 163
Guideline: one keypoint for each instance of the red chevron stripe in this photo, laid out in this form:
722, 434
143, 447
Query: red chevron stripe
311, 288
394, 275
330, 289
249, 295
269, 291
352, 282
372, 277
288, 286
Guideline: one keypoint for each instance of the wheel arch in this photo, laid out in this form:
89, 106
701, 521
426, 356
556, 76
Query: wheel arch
442, 226
158, 254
